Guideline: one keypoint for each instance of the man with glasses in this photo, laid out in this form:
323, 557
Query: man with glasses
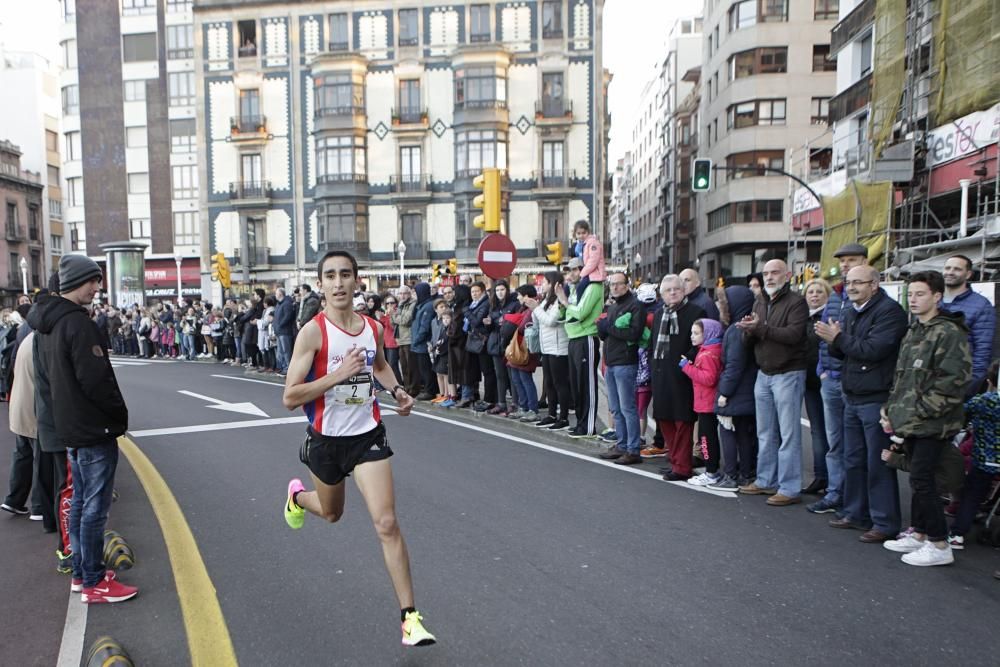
867, 343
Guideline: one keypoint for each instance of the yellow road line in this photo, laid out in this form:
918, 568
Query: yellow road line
207, 633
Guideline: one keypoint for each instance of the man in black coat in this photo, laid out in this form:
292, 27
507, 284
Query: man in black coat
673, 395
89, 414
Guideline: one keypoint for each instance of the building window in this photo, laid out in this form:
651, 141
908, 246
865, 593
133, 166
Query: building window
552, 94
247, 38
139, 47
56, 244
184, 181
409, 100
821, 59
866, 55
409, 166
748, 162
69, 54
476, 149
135, 90
34, 228
138, 228
71, 100
138, 183
339, 40
36, 267
76, 241
408, 27
74, 191
180, 89
68, 9
413, 232
51, 141
479, 23
772, 60
340, 159
553, 172
820, 111
132, 7
552, 224
759, 210
250, 172
552, 18
344, 223
338, 94
827, 10
182, 133
53, 176
180, 41
186, 228
465, 213
742, 15
773, 10
135, 137
174, 6
480, 87
755, 112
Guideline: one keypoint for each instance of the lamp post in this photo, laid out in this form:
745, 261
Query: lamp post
401, 248
24, 275
638, 262
178, 258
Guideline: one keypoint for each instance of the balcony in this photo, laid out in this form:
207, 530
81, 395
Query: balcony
553, 179
409, 183
338, 46
14, 281
359, 249
250, 190
860, 18
14, 233
416, 249
481, 104
409, 116
553, 111
343, 110
258, 256
466, 249
851, 100
242, 125
247, 51
327, 179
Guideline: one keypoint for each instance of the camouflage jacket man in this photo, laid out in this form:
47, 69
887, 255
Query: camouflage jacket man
932, 372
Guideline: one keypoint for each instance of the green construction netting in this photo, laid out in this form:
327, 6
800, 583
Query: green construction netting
859, 214
888, 71
967, 43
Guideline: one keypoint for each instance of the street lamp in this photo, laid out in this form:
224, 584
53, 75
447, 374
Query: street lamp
638, 260
24, 275
401, 248
178, 257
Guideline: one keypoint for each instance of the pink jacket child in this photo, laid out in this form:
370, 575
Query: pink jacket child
706, 368
591, 252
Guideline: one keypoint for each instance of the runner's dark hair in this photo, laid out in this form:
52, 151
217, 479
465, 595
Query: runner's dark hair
336, 253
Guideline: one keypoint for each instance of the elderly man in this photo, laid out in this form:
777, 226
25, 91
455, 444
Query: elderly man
980, 316
402, 319
673, 395
697, 295
776, 328
867, 343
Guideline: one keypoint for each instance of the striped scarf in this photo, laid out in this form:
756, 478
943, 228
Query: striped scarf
668, 327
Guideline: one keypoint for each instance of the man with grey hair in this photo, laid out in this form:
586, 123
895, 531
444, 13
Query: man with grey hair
284, 328
697, 295
776, 328
402, 319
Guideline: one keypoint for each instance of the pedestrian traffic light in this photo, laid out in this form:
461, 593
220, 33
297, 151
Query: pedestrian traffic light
220, 270
808, 274
555, 254
452, 267
435, 272
702, 178
489, 201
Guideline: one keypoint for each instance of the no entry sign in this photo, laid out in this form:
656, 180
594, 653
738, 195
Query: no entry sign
497, 256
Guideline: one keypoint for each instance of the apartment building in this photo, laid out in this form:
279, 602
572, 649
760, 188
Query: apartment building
21, 193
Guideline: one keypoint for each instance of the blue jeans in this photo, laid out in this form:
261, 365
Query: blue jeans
621, 401
239, 348
778, 400
817, 431
527, 394
284, 351
833, 415
871, 490
93, 470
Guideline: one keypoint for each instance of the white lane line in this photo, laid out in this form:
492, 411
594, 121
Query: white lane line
222, 426
71, 648
233, 377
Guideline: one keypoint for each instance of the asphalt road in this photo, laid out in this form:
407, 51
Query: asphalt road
521, 555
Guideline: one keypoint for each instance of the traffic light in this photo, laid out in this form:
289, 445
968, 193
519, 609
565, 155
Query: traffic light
701, 180
435, 272
452, 267
220, 270
555, 254
808, 274
489, 201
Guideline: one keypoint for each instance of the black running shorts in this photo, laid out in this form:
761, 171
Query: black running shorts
332, 459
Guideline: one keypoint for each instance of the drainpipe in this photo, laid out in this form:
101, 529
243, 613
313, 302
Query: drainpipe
963, 220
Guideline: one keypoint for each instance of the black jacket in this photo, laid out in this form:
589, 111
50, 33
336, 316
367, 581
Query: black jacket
868, 344
739, 368
673, 394
621, 345
87, 407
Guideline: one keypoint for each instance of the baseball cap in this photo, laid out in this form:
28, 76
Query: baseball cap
575, 263
645, 293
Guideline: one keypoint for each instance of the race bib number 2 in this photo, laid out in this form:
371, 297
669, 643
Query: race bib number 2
356, 390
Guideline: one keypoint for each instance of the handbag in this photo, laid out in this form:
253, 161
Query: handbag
476, 342
532, 339
516, 352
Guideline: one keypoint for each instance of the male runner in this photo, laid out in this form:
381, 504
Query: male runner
336, 355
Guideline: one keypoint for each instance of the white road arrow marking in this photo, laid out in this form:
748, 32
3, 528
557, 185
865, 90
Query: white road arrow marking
244, 408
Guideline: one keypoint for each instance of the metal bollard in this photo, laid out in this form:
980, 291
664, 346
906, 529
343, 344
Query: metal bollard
106, 652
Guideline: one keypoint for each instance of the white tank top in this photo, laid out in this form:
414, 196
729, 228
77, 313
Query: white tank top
349, 408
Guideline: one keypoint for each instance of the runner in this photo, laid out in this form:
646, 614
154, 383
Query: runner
335, 357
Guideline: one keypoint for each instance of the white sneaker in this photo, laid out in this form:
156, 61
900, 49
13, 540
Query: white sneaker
704, 479
904, 545
36, 517
956, 541
929, 555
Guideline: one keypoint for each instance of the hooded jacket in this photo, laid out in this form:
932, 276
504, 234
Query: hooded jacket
87, 407
621, 331
739, 367
932, 372
284, 317
704, 371
422, 317
402, 317
700, 297
551, 329
832, 312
